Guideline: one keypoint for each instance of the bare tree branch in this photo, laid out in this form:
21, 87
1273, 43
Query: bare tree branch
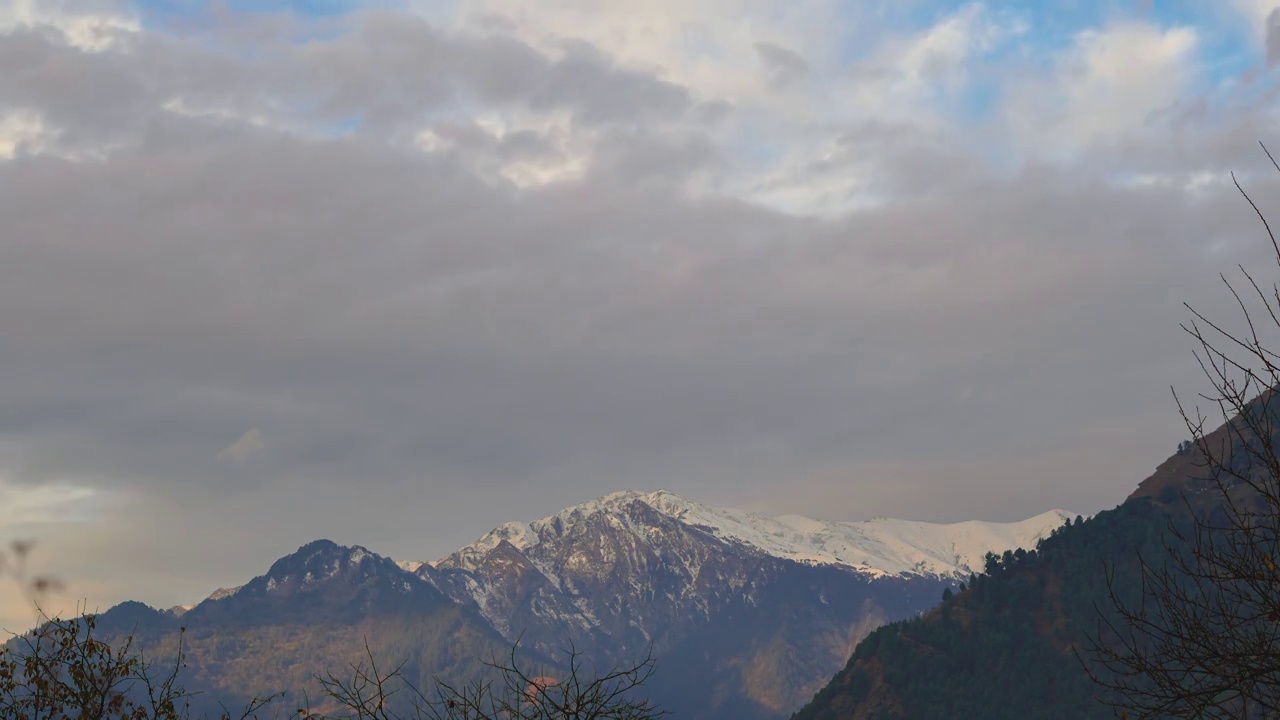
1204, 639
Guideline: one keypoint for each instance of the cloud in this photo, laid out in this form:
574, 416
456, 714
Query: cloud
706, 45
1110, 82
783, 65
1255, 12
248, 445
19, 131
88, 25
1273, 36
460, 270
23, 507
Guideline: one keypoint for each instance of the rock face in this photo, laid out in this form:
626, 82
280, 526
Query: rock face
748, 615
745, 612
322, 583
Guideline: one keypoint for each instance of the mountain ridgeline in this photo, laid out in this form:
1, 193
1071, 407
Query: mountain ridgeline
747, 615
1011, 645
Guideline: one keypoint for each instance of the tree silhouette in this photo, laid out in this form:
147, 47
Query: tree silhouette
1204, 640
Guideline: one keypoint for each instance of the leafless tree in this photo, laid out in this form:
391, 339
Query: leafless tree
518, 692
1203, 640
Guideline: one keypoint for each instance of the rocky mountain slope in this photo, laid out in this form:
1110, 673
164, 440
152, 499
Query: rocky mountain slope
749, 615
309, 614
875, 548
629, 570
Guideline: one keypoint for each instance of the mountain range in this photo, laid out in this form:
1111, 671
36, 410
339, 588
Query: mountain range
748, 615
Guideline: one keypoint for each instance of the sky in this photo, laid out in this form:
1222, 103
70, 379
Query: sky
394, 272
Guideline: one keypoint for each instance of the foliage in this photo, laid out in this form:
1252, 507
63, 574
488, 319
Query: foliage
1204, 639
1002, 648
63, 671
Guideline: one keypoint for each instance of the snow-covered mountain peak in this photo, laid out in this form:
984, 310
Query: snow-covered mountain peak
877, 548
661, 500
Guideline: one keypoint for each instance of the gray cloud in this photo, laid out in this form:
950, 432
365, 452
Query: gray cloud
245, 447
431, 349
392, 68
1273, 36
783, 65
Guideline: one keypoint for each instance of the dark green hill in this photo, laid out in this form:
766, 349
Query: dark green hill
1006, 647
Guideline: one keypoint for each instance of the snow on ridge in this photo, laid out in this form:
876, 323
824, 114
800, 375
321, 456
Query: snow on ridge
874, 547
225, 592
518, 534
880, 547
524, 535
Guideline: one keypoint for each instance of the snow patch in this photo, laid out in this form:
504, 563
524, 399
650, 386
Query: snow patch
221, 593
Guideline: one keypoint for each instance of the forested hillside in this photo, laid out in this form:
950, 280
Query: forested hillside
1013, 639
1005, 644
